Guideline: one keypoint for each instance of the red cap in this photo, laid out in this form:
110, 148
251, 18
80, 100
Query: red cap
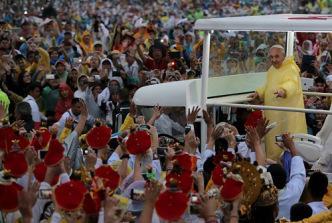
41, 139
253, 118
183, 160
91, 203
69, 196
8, 136
110, 177
40, 172
171, 205
138, 142
231, 189
9, 195
54, 154
16, 164
184, 181
98, 137
218, 176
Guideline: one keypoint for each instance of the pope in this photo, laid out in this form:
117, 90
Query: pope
282, 89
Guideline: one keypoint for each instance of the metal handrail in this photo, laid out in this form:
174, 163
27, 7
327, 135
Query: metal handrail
275, 108
317, 94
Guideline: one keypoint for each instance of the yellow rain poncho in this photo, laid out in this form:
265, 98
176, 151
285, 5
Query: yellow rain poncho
287, 78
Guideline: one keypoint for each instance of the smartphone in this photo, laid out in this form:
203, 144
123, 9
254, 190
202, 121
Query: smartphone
279, 139
194, 204
137, 195
42, 154
187, 129
161, 151
240, 138
45, 194
50, 77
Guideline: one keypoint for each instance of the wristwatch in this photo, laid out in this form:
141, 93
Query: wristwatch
125, 156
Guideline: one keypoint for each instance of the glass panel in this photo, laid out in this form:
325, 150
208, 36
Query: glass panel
241, 52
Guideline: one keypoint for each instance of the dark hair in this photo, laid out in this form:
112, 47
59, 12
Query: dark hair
33, 86
20, 79
67, 33
320, 80
278, 174
208, 167
23, 109
96, 84
221, 144
74, 101
263, 214
300, 211
317, 185
159, 47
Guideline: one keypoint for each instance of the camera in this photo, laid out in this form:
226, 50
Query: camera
279, 139
137, 195
85, 151
45, 194
194, 204
144, 127
240, 138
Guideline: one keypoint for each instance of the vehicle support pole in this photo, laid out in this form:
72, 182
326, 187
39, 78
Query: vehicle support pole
204, 84
290, 44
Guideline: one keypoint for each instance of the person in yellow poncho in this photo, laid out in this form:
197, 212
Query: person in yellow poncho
86, 43
283, 89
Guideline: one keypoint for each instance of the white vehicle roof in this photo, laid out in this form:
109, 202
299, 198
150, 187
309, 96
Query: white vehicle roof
273, 23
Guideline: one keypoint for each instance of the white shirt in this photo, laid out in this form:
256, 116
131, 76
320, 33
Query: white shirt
34, 108
131, 70
65, 116
80, 94
317, 207
293, 190
165, 125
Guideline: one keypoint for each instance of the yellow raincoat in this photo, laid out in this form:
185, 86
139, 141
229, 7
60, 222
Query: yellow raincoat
287, 78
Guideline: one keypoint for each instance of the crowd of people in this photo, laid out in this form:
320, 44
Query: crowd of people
75, 148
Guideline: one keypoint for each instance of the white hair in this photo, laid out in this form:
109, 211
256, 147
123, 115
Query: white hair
277, 46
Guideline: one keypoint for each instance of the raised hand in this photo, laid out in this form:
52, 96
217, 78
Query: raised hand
207, 118
157, 110
69, 123
152, 190
84, 109
217, 133
27, 199
261, 127
253, 138
192, 114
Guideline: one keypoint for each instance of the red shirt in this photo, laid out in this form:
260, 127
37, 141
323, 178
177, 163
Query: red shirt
151, 64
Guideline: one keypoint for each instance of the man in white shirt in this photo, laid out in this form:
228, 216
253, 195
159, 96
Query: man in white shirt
73, 113
34, 93
317, 187
131, 68
289, 193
